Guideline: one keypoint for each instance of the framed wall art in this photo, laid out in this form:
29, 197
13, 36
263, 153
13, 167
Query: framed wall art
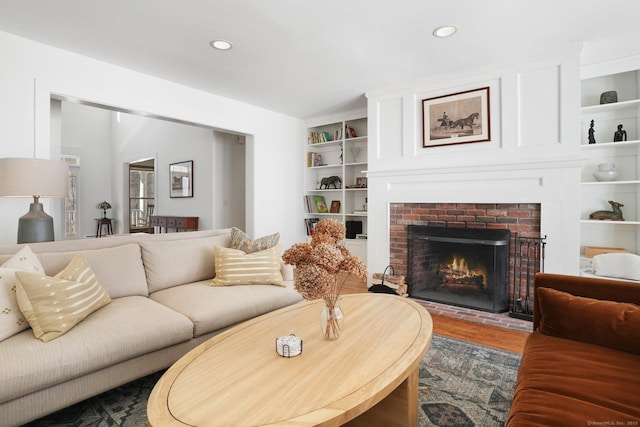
458, 118
181, 179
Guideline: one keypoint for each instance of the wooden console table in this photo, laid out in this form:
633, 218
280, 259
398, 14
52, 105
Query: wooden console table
186, 223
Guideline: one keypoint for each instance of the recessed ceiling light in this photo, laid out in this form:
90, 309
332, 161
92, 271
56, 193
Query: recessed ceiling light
221, 44
445, 31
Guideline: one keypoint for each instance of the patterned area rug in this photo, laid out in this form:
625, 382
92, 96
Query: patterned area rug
461, 384
464, 384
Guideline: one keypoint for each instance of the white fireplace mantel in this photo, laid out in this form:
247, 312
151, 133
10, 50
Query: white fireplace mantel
533, 155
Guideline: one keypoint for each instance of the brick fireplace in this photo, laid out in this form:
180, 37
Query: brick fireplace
521, 219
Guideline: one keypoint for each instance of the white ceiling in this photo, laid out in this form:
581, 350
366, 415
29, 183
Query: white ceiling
307, 58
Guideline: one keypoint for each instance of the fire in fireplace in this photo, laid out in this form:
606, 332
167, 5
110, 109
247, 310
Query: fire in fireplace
466, 267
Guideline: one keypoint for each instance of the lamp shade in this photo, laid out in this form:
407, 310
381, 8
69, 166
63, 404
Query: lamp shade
26, 177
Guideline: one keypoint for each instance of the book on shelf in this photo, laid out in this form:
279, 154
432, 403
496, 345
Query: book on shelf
360, 212
321, 204
314, 159
310, 224
319, 137
315, 204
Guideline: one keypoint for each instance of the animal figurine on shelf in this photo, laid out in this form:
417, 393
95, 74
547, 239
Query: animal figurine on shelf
331, 180
614, 215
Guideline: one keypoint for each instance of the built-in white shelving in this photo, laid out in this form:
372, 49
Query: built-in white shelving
625, 189
338, 148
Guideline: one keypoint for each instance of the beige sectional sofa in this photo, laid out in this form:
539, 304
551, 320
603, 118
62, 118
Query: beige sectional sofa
162, 306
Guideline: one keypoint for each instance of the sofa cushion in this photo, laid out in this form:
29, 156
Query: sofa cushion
563, 382
240, 240
212, 308
127, 328
234, 267
607, 323
119, 269
53, 305
12, 320
165, 261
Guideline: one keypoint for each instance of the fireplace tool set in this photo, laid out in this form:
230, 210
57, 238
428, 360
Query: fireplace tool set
528, 260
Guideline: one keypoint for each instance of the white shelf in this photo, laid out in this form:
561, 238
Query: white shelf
624, 154
600, 108
605, 222
346, 158
611, 182
326, 143
603, 145
337, 165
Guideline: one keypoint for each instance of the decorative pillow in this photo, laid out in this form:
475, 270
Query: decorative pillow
12, 320
620, 265
239, 240
234, 267
606, 323
25, 260
53, 305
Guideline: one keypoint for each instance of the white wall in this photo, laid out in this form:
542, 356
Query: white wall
230, 180
135, 138
532, 157
32, 72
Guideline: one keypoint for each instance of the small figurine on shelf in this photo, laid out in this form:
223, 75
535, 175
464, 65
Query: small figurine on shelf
612, 215
331, 180
592, 138
620, 134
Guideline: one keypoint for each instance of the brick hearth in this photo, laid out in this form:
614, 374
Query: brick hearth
520, 218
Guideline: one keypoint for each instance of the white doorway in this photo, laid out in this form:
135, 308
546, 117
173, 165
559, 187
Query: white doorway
141, 195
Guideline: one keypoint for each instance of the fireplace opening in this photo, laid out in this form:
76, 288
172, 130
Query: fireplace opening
465, 267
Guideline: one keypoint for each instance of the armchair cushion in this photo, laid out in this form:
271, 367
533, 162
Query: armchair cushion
610, 324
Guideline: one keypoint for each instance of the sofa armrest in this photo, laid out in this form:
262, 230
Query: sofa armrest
601, 289
287, 272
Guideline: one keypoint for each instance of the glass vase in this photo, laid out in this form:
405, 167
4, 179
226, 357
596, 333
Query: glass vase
331, 320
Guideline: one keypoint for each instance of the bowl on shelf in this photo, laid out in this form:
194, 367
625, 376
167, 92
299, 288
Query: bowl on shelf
609, 175
606, 167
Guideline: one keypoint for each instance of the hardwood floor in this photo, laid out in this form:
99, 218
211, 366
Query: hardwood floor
491, 336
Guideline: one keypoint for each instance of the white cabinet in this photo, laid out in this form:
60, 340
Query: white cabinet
337, 149
625, 189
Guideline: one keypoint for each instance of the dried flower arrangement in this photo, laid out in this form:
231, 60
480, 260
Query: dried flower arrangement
323, 265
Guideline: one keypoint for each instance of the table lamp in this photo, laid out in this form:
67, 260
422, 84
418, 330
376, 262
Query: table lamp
27, 177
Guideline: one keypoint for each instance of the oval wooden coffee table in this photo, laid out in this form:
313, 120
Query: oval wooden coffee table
369, 376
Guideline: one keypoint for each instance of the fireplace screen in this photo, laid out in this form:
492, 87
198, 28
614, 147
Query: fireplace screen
459, 266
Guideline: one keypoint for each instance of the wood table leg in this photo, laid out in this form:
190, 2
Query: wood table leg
400, 408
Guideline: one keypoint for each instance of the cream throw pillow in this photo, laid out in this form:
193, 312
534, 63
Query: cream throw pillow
53, 305
234, 267
12, 320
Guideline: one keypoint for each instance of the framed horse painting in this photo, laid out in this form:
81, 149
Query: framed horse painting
459, 118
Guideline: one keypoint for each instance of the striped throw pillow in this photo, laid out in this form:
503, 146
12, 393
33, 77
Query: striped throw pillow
54, 305
235, 267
